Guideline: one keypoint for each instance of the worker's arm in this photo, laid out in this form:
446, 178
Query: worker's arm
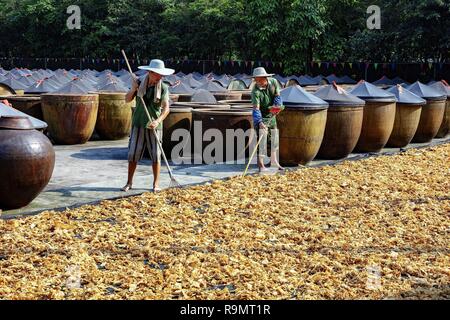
164, 113
257, 116
133, 91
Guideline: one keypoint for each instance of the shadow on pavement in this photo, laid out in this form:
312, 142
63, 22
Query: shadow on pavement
102, 154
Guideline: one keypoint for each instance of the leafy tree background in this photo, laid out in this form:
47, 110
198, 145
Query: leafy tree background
293, 32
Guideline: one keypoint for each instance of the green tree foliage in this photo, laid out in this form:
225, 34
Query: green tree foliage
290, 31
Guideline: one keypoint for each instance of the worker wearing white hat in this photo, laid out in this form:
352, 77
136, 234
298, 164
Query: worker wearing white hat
156, 96
266, 96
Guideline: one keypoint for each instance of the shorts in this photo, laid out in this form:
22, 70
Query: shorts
270, 142
140, 139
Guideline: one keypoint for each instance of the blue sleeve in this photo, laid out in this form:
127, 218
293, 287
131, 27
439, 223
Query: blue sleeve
257, 117
278, 101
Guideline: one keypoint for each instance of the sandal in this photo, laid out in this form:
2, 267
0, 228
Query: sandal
156, 190
127, 187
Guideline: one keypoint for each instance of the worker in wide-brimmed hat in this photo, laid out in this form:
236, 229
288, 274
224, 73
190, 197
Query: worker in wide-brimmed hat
156, 96
266, 102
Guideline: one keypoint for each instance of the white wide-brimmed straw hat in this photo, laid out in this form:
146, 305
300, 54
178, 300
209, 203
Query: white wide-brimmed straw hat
261, 72
158, 67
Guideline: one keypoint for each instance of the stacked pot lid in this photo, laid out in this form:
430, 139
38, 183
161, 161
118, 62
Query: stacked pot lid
181, 88
295, 97
383, 81
372, 93
212, 86
113, 87
404, 96
73, 87
203, 96
336, 96
41, 86
442, 87
426, 92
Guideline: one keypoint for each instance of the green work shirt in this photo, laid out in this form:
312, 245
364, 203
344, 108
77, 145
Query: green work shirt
263, 98
140, 118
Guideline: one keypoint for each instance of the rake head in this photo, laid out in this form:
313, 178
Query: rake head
174, 183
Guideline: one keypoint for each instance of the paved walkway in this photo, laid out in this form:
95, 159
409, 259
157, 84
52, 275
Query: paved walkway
97, 170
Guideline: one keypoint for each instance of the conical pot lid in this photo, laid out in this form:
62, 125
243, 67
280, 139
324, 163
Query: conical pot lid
212, 87
203, 96
426, 92
52, 82
337, 96
306, 81
296, 97
121, 73
181, 88
398, 80
9, 111
41, 86
347, 80
19, 72
280, 79
333, 78
113, 87
292, 77
14, 84
383, 81
72, 88
191, 82
368, 92
224, 82
317, 79
26, 80
405, 96
247, 81
86, 84
441, 86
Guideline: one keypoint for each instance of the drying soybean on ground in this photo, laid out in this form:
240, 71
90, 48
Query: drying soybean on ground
372, 229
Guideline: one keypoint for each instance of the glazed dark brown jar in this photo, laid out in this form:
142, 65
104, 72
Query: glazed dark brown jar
27, 160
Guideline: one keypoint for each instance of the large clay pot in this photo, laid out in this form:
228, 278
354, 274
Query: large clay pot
407, 118
244, 103
378, 123
71, 118
227, 95
430, 120
29, 104
344, 122
200, 105
27, 160
245, 95
184, 97
443, 88
432, 112
222, 120
6, 90
301, 132
444, 130
114, 116
342, 131
178, 118
379, 116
